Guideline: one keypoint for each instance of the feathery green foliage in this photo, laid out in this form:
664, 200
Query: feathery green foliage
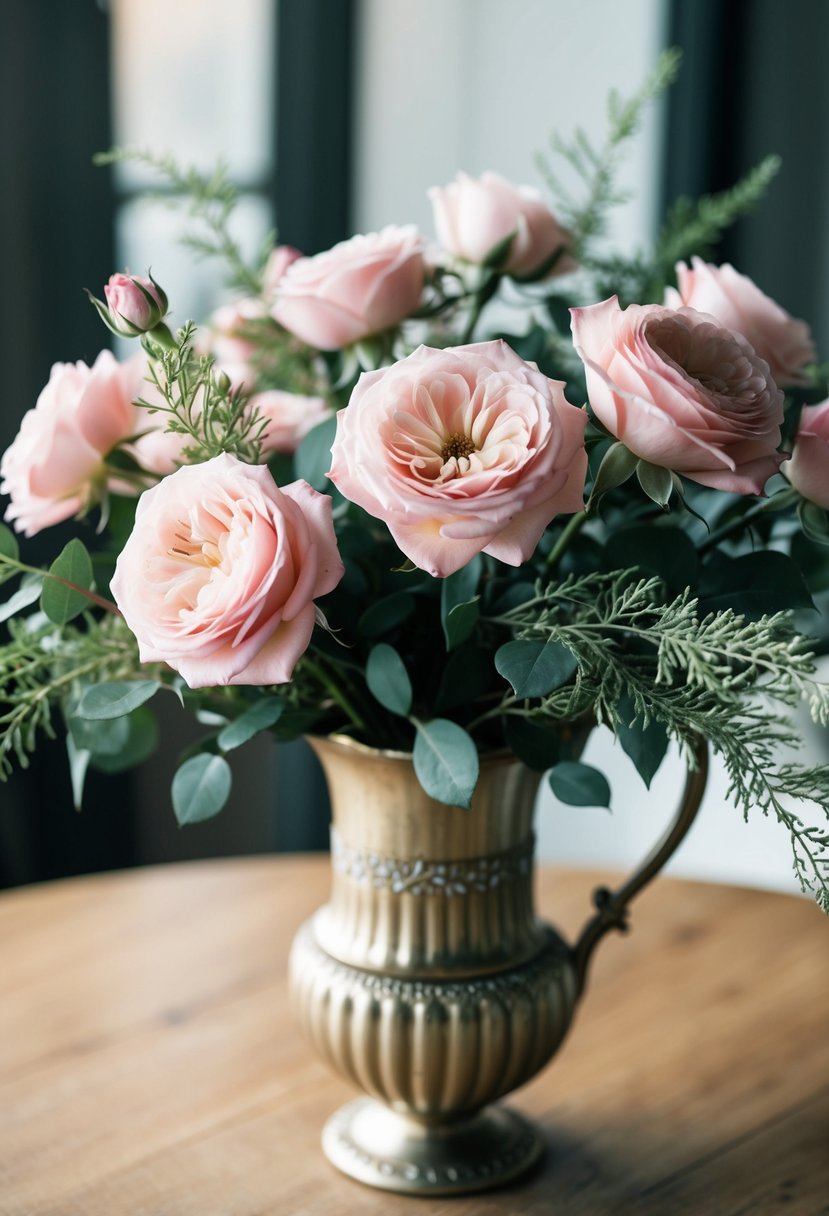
209, 199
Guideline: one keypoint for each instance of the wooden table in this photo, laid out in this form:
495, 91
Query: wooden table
149, 1065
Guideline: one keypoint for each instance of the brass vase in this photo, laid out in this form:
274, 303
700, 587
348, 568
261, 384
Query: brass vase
427, 978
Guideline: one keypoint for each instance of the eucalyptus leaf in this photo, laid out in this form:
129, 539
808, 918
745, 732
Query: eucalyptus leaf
99, 738
200, 788
536, 743
78, 765
388, 680
646, 746
115, 698
459, 603
27, 593
579, 784
534, 669
665, 551
312, 459
386, 614
260, 716
8, 544
142, 740
60, 602
466, 675
753, 585
446, 762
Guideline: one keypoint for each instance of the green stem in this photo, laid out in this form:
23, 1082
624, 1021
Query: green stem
571, 528
736, 525
107, 605
336, 693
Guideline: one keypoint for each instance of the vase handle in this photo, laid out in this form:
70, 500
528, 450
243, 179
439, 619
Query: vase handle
611, 906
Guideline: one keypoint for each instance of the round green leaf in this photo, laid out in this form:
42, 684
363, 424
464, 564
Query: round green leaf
141, 742
388, 679
60, 601
535, 668
446, 762
201, 788
260, 716
579, 785
8, 544
115, 698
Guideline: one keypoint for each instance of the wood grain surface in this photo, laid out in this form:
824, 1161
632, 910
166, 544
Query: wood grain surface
149, 1065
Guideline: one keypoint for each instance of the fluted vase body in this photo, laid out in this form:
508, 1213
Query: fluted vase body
427, 979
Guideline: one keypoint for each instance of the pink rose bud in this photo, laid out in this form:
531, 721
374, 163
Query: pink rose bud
134, 305
361, 287
739, 304
219, 575
682, 392
808, 468
490, 222
461, 451
54, 469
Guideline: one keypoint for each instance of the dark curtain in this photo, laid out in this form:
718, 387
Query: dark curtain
753, 82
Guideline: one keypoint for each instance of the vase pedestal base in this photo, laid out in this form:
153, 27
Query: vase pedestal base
381, 1148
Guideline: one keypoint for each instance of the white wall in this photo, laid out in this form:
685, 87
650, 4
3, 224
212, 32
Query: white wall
479, 84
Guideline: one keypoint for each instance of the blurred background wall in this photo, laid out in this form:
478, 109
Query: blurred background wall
335, 116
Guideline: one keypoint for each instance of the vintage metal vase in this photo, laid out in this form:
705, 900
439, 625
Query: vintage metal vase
427, 978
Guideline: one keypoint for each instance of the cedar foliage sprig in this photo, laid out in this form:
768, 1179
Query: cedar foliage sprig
720, 676
209, 199
201, 404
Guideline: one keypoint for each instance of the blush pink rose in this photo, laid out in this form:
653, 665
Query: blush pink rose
682, 392
739, 304
808, 469
228, 340
360, 287
461, 451
289, 418
55, 466
474, 215
279, 260
219, 574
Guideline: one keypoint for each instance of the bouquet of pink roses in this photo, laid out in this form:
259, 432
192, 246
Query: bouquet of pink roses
351, 505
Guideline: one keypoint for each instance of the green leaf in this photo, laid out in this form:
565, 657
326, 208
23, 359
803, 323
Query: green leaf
618, 464
812, 560
754, 585
312, 459
116, 698
534, 669
8, 544
141, 742
101, 738
201, 788
579, 784
260, 716
466, 675
665, 551
60, 602
78, 764
446, 762
646, 746
658, 483
459, 603
388, 679
26, 594
814, 521
535, 743
388, 612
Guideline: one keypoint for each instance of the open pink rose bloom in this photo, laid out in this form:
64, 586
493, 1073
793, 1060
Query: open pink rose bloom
682, 392
56, 463
737, 303
808, 469
219, 575
461, 451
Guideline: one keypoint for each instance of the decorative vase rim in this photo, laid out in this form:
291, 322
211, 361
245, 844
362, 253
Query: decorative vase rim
346, 743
